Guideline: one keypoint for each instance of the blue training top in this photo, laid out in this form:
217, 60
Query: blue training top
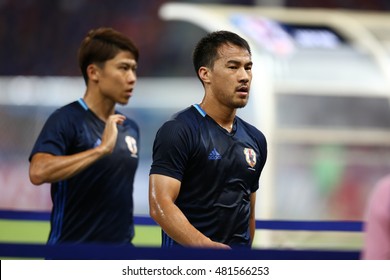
218, 171
95, 205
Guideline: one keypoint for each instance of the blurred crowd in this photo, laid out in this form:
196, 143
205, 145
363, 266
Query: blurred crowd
42, 37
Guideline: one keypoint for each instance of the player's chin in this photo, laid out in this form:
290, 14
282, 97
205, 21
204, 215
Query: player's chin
241, 103
240, 106
123, 101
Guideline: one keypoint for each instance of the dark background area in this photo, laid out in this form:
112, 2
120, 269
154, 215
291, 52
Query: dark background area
41, 37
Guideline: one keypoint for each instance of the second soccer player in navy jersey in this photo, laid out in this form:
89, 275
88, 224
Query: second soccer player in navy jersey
88, 150
206, 160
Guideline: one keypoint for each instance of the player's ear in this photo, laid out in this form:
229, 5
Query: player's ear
93, 72
204, 74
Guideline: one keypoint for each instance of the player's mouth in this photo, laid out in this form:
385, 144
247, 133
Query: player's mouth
242, 90
129, 92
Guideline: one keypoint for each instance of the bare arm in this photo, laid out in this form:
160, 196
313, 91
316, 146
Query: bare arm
48, 168
163, 191
252, 217
376, 232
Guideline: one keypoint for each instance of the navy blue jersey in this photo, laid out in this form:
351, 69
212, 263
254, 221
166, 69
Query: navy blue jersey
218, 171
96, 205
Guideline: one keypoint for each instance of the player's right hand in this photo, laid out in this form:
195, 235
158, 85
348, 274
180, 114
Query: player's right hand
110, 133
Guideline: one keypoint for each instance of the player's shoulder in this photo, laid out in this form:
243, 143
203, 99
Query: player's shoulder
251, 129
188, 114
71, 111
184, 122
186, 118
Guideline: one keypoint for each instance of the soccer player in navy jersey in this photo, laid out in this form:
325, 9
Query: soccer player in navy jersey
88, 151
206, 160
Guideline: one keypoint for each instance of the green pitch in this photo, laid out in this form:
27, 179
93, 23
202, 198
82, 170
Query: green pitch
38, 231
16, 231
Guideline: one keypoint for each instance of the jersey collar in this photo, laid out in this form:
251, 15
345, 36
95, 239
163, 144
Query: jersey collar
83, 104
200, 110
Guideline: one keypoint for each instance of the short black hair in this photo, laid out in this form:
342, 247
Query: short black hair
103, 44
206, 51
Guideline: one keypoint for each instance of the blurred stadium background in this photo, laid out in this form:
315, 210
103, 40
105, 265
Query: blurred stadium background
320, 94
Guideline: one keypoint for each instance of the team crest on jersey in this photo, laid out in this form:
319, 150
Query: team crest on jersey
250, 156
132, 145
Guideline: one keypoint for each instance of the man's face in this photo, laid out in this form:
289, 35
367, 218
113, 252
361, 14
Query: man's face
117, 77
231, 76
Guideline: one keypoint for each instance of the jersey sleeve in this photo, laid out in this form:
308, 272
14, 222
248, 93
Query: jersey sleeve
55, 135
171, 150
263, 150
262, 144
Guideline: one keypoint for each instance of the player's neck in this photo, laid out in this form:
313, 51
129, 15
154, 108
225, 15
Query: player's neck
101, 107
222, 115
